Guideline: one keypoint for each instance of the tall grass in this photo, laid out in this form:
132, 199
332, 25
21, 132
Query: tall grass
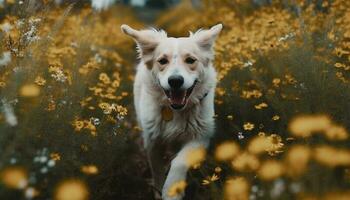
67, 125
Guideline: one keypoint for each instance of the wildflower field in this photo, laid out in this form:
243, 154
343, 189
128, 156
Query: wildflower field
67, 122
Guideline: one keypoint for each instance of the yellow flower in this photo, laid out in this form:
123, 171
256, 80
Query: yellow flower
236, 189
104, 78
84, 147
40, 81
248, 126
331, 156
210, 179
251, 94
226, 151
85, 101
276, 82
297, 159
304, 126
106, 107
336, 132
54, 69
120, 110
245, 162
116, 83
271, 144
339, 65
14, 177
90, 126
275, 117
217, 169
78, 125
258, 145
220, 91
214, 177
71, 189
325, 4
55, 156
177, 188
261, 134
195, 156
275, 144
51, 106
2, 84
290, 79
270, 170
205, 182
89, 169
29, 90
261, 106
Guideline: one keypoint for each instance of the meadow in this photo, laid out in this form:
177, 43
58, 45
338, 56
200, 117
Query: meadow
67, 124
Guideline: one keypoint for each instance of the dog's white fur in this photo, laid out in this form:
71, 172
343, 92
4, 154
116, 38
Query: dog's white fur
194, 124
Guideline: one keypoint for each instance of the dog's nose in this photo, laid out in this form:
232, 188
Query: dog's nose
175, 81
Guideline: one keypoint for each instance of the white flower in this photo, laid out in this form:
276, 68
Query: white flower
5, 58
29, 193
9, 114
31, 36
248, 63
6, 27
286, 37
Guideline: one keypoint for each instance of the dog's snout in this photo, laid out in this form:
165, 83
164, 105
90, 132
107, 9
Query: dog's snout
175, 81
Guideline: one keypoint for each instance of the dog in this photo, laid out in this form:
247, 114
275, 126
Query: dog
174, 90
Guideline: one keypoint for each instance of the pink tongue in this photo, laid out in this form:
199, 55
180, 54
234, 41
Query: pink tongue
177, 98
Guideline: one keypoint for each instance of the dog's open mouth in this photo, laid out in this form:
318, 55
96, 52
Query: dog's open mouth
178, 98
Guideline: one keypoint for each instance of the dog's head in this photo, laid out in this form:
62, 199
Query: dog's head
179, 65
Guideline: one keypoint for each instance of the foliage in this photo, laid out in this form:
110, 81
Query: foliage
67, 125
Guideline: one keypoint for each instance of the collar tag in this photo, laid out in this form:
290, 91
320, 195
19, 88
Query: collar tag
167, 113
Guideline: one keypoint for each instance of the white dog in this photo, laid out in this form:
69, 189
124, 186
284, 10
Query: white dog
174, 98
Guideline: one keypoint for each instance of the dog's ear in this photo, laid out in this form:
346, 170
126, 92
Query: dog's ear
206, 38
147, 40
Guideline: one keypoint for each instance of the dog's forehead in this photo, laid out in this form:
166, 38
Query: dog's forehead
179, 45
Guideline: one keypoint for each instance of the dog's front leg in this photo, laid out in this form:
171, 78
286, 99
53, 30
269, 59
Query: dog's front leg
179, 167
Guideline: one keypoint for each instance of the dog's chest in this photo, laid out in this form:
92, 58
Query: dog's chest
182, 125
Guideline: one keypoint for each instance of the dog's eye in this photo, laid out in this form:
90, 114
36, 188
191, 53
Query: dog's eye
163, 61
190, 60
